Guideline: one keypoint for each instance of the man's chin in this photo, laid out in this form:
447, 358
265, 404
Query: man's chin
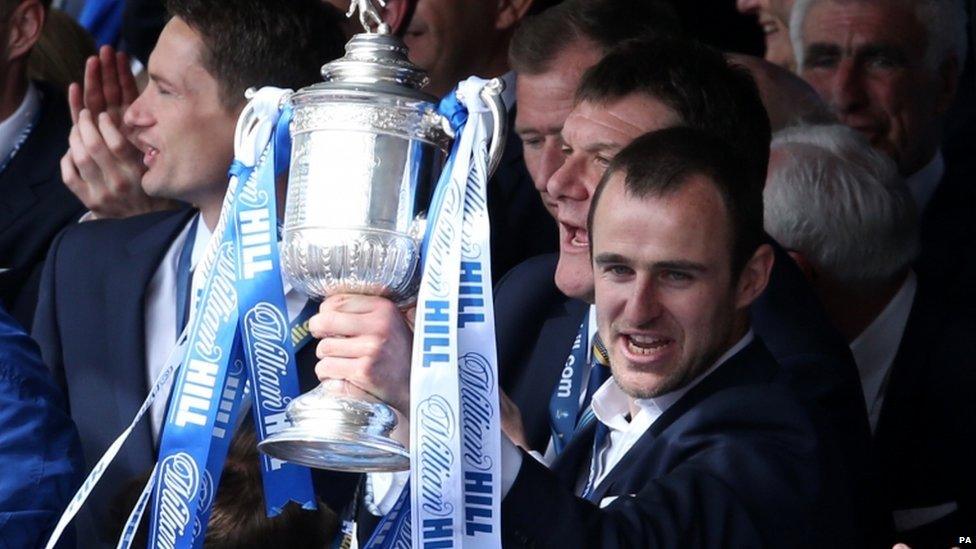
575, 286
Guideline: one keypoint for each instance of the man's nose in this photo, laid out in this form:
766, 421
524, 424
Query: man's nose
847, 88
566, 182
550, 161
137, 114
747, 6
644, 305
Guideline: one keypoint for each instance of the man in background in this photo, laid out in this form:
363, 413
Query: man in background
34, 125
850, 223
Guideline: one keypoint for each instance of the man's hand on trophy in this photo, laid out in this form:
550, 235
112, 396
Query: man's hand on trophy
366, 341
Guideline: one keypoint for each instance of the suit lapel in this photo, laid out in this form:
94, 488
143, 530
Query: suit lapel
575, 457
125, 315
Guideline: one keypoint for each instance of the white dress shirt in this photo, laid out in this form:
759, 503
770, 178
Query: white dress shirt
160, 314
875, 348
922, 184
12, 128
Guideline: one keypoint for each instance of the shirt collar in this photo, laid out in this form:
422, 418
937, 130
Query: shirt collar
922, 184
12, 128
612, 406
875, 348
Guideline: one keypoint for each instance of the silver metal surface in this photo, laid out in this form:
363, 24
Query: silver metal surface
367, 148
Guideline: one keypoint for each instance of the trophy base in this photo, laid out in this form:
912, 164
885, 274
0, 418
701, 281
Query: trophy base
339, 427
349, 452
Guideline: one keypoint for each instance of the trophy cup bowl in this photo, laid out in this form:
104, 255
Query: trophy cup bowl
367, 149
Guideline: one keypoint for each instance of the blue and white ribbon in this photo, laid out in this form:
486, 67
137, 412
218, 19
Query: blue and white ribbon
453, 499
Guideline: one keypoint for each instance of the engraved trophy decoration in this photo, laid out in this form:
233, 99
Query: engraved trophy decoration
367, 147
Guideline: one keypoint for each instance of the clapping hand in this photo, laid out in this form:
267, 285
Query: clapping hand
102, 167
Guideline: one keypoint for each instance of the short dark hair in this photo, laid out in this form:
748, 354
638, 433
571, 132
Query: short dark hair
262, 42
660, 163
541, 38
695, 81
238, 519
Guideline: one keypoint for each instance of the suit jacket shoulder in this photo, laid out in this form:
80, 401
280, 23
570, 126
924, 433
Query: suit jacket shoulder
734, 463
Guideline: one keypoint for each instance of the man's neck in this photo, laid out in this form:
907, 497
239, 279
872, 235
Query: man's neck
210, 212
12, 92
853, 310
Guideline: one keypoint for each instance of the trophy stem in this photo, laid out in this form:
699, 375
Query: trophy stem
339, 427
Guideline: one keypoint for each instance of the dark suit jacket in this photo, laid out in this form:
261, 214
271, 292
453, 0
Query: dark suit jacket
536, 324
520, 226
926, 433
734, 463
947, 262
34, 204
90, 326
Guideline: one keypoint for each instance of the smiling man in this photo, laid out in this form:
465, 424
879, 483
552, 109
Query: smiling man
688, 428
114, 293
774, 18
890, 70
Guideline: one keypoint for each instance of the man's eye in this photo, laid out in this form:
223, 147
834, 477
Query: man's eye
602, 160
619, 270
532, 142
883, 62
822, 61
676, 276
566, 150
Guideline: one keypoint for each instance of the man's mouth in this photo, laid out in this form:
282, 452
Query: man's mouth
149, 155
646, 344
574, 236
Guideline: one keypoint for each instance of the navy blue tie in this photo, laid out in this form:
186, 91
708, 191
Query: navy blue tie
599, 374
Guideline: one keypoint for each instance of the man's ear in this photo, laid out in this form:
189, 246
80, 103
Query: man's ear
948, 82
24, 25
510, 12
754, 276
396, 15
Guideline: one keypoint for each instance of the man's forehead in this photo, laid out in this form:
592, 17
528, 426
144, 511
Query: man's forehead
617, 121
851, 24
178, 47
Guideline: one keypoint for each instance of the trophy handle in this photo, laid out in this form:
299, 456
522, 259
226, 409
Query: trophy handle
491, 94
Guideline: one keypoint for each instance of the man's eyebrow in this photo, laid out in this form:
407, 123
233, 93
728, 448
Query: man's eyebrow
610, 257
156, 77
891, 51
557, 130
601, 146
822, 49
680, 265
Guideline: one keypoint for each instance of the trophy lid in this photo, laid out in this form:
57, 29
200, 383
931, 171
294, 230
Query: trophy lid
375, 58
375, 64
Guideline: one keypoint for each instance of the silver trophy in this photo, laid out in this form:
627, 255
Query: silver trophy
367, 148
